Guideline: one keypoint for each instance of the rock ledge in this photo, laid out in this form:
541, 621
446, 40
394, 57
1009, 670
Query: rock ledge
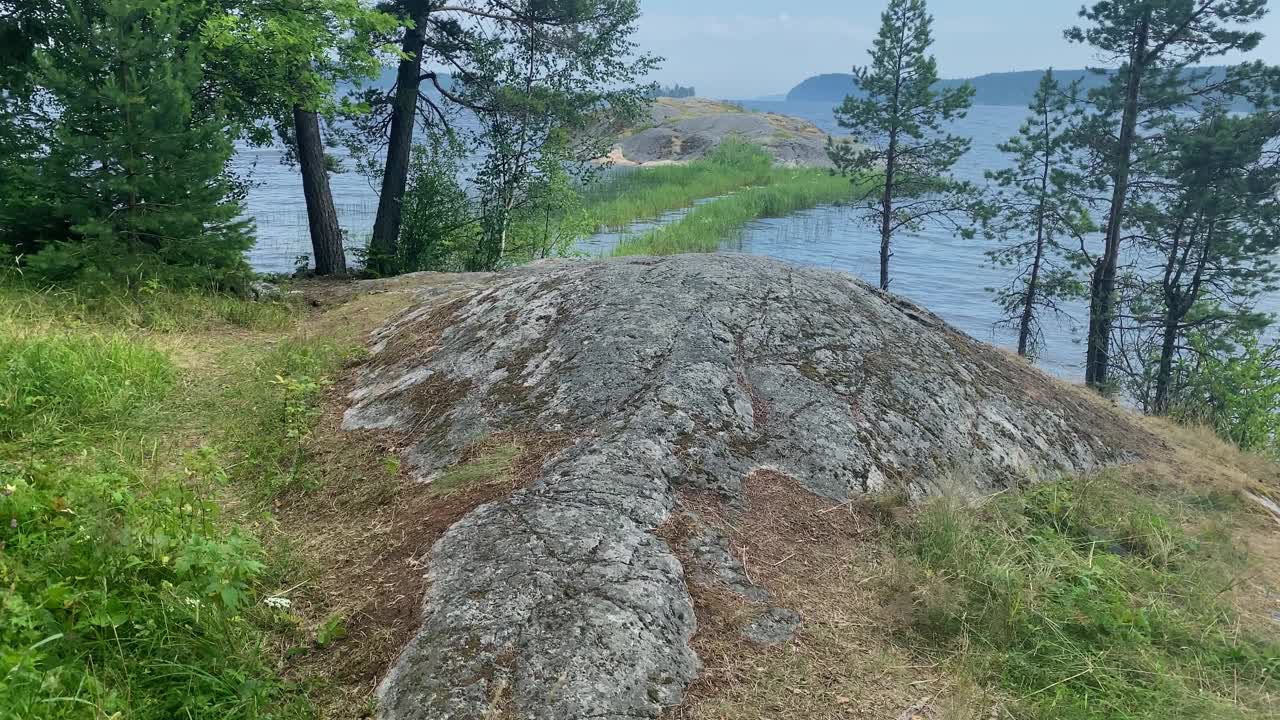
687, 373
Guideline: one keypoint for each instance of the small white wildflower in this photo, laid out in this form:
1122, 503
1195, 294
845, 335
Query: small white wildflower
279, 603
191, 601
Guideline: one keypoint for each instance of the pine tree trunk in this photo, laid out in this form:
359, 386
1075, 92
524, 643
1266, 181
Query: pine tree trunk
1102, 293
395, 176
886, 209
322, 216
1033, 283
1029, 299
1164, 375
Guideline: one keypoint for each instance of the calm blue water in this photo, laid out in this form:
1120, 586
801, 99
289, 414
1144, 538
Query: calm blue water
936, 268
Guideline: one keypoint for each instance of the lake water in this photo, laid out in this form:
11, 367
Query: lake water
936, 268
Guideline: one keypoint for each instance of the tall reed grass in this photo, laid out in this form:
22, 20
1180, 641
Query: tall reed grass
707, 226
645, 193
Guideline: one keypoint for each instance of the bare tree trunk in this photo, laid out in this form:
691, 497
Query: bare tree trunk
886, 209
322, 217
395, 176
1102, 293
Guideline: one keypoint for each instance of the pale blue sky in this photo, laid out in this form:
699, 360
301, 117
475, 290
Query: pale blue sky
747, 48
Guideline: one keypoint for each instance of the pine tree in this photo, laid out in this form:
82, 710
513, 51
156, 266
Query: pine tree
278, 62
1155, 43
587, 59
1210, 224
1038, 213
896, 126
134, 181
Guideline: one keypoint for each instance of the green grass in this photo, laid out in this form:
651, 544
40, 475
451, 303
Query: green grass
149, 307
492, 463
62, 385
127, 590
267, 415
707, 226
1087, 600
646, 193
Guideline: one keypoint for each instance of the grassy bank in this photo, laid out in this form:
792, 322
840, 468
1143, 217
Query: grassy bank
707, 226
1088, 599
137, 435
185, 534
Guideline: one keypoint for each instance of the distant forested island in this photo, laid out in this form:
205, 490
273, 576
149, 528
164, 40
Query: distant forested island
1007, 88
674, 91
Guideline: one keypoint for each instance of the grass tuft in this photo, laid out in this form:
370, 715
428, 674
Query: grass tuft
1087, 600
127, 589
57, 386
151, 307
268, 414
124, 591
490, 463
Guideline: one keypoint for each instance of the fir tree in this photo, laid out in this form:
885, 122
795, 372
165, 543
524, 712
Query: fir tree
135, 179
1038, 214
896, 126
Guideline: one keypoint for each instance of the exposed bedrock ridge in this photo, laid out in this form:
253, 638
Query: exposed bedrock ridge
678, 373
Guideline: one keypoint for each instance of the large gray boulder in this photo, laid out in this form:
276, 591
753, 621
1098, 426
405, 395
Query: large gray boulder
688, 372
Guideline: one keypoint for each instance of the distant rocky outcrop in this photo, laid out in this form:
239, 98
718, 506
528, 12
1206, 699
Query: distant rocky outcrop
691, 374
684, 129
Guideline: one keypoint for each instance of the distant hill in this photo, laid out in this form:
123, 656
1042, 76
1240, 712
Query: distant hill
1009, 88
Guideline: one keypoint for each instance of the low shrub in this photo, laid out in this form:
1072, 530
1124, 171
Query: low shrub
1237, 395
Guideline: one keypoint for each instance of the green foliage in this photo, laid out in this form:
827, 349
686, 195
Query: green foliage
553, 217
268, 415
117, 126
1237, 395
1085, 600
271, 55
332, 630
444, 229
64, 385
124, 593
1037, 214
896, 122
675, 91
439, 226
1156, 44
131, 183
542, 79
1209, 219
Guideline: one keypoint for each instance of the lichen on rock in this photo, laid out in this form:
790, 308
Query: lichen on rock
678, 374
